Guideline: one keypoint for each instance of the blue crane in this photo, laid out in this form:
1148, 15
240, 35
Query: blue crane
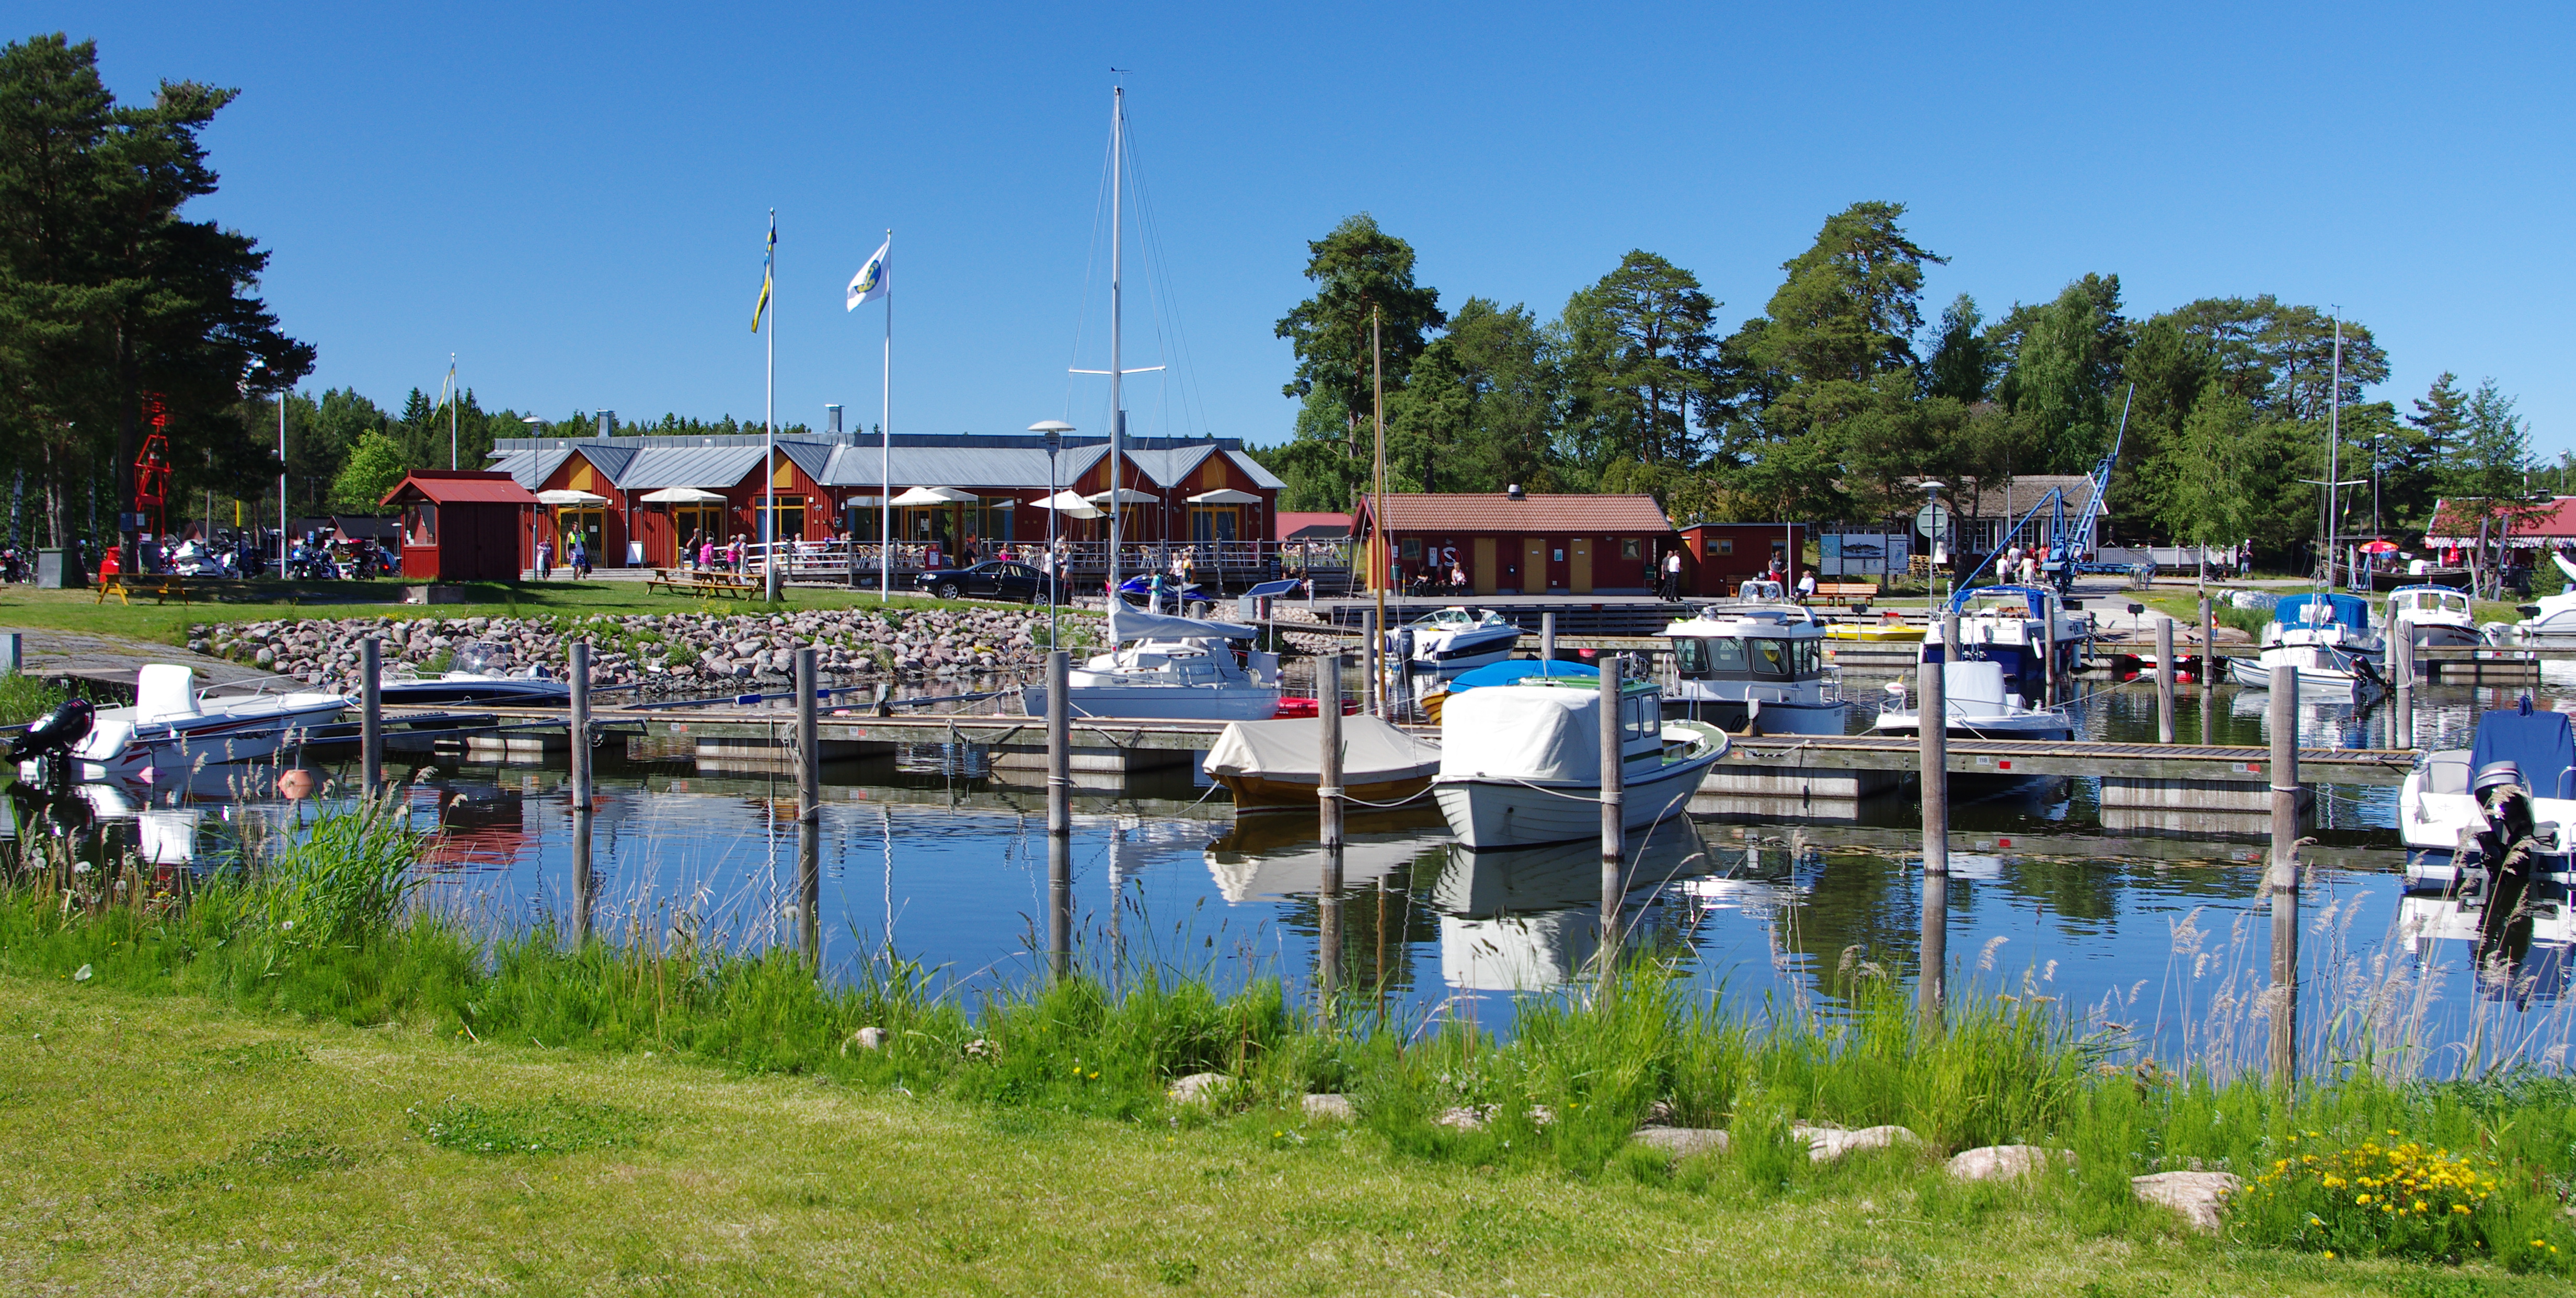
2067, 545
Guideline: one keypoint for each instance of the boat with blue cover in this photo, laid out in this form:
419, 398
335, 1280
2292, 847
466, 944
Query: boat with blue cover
2327, 638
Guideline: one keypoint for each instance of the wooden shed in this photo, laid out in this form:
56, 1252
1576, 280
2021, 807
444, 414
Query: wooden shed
1519, 543
462, 524
1717, 558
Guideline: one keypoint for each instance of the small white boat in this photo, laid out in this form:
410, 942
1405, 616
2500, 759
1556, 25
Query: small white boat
2440, 815
2326, 638
1520, 765
1453, 640
1756, 668
1980, 704
2548, 623
2435, 617
1169, 668
2017, 626
173, 725
1276, 765
478, 673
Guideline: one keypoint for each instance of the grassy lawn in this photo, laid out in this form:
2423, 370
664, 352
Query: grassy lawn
161, 1144
144, 619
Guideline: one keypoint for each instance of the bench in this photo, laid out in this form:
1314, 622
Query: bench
1846, 592
703, 584
121, 585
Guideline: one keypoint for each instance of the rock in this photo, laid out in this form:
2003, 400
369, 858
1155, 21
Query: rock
2197, 1196
1199, 1088
1331, 1108
1826, 1144
2003, 1162
1682, 1142
865, 1039
1463, 1119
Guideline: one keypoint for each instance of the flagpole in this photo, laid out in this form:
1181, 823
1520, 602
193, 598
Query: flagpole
451, 411
885, 443
769, 430
1117, 305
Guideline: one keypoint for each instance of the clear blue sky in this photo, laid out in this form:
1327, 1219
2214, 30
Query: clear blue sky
573, 201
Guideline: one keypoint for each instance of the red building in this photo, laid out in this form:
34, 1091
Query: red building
462, 524
1718, 557
1513, 542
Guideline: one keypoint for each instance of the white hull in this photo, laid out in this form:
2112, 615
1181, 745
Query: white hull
1488, 814
1162, 702
1467, 658
2314, 677
2443, 635
245, 734
2000, 725
1763, 717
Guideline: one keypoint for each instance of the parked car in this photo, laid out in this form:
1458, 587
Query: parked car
991, 579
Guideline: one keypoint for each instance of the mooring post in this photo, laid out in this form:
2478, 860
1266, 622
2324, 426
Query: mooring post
1328, 924
2401, 720
371, 723
809, 809
2210, 666
1614, 796
1328, 759
579, 725
2048, 648
1932, 728
1059, 732
1368, 663
1546, 639
2282, 879
585, 884
1060, 906
2164, 680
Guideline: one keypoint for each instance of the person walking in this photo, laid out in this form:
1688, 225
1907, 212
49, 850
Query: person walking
545, 557
577, 557
2029, 569
1672, 574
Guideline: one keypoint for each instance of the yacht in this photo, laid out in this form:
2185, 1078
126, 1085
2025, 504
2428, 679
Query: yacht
175, 725
1981, 704
1520, 765
2015, 627
1756, 668
1453, 640
1167, 668
2436, 617
2328, 638
478, 672
2549, 623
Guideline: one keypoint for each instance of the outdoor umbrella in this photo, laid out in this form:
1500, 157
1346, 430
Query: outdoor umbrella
682, 496
919, 496
564, 497
1070, 505
2380, 547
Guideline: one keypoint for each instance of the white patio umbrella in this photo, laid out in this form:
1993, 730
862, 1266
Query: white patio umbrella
567, 497
1126, 496
1225, 496
920, 496
1069, 505
682, 496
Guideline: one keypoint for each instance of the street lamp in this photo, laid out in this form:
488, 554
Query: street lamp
1937, 529
1054, 429
535, 428
257, 364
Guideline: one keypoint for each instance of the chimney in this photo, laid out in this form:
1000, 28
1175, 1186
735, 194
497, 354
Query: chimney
1514, 492
832, 420
608, 423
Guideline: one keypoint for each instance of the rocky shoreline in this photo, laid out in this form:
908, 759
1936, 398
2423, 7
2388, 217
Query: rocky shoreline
674, 652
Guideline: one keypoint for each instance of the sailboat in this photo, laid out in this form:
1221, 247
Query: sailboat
1159, 667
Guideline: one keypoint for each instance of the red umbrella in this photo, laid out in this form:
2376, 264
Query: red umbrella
2379, 547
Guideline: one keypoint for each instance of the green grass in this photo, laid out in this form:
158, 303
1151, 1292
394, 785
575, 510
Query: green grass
25, 698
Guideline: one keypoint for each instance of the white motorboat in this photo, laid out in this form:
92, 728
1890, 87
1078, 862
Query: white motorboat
2435, 617
2326, 638
174, 725
2016, 627
2549, 623
1980, 703
1277, 765
1756, 668
1520, 765
2440, 813
1453, 640
1169, 668
478, 673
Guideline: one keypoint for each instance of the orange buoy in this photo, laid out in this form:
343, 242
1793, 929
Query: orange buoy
296, 784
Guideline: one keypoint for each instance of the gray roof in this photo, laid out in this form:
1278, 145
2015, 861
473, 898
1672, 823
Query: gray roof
1009, 461
530, 467
1016, 467
709, 468
2013, 497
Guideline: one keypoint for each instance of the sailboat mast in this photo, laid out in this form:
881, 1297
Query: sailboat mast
2334, 457
1117, 303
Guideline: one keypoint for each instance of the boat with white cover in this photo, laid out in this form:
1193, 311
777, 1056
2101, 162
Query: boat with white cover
1755, 668
1452, 640
1980, 703
2436, 617
172, 724
478, 672
2548, 623
1520, 765
1277, 765
2439, 810
2326, 638
1169, 668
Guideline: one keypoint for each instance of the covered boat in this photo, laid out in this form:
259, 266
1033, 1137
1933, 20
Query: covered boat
1274, 765
172, 724
2327, 638
1507, 672
1170, 669
1521, 764
2440, 813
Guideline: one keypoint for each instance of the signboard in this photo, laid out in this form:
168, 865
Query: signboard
1862, 554
1932, 520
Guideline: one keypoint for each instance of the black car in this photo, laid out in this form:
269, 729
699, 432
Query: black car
991, 579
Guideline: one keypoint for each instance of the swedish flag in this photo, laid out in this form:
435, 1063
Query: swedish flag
768, 260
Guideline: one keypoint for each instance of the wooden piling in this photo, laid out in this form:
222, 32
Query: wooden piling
2210, 667
1328, 924
2282, 879
2401, 659
1328, 768
2164, 680
1932, 716
1546, 637
1371, 700
579, 724
1060, 906
585, 882
1614, 829
1059, 745
2048, 651
371, 714
809, 810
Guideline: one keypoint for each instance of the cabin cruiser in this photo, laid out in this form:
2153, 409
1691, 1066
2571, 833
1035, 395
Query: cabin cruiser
478, 672
2326, 637
1167, 668
2549, 623
1520, 765
173, 724
1453, 640
1980, 702
1278, 765
1755, 668
2440, 810
2436, 617
2016, 627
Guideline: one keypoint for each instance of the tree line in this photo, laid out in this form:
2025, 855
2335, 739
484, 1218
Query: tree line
1842, 394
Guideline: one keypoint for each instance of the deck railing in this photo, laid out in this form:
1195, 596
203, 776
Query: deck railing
1223, 564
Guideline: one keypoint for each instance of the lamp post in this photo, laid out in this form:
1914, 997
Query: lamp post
1936, 527
536, 427
1054, 430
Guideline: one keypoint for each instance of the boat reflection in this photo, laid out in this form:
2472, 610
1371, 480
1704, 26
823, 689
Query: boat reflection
1530, 919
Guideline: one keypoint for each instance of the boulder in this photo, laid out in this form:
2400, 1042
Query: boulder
1826, 1144
2197, 1196
2004, 1162
1682, 1142
1199, 1088
1331, 1108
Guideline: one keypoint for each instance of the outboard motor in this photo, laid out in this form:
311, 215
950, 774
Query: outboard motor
2508, 852
49, 739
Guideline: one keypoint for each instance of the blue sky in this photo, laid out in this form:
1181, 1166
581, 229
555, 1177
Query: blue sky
572, 199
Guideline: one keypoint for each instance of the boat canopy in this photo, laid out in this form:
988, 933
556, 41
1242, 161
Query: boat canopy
1536, 732
1518, 669
2006, 601
2349, 610
2541, 743
1371, 749
1127, 624
2428, 597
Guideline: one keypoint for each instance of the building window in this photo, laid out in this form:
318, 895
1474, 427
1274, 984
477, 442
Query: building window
1409, 548
1725, 545
1628, 548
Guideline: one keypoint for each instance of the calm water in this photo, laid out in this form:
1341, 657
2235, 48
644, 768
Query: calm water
2157, 937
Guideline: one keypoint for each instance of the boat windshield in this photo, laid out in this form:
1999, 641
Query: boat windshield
1700, 657
2002, 601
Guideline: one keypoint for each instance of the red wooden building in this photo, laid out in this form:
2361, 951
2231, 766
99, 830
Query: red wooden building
1718, 557
1513, 542
462, 524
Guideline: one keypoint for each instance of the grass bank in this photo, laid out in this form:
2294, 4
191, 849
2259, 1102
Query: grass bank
294, 1056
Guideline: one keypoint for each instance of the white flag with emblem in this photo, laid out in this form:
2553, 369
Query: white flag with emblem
870, 283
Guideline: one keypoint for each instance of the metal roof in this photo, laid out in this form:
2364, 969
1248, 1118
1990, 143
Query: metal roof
1495, 512
530, 467
1013, 467
712, 468
460, 487
1170, 467
1254, 468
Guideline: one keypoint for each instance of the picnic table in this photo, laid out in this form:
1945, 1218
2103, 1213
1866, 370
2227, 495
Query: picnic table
123, 585
703, 583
